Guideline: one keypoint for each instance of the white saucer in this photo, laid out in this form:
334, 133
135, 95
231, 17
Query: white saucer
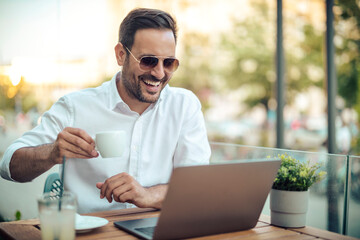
87, 223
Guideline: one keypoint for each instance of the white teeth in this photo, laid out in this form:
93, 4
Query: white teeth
152, 83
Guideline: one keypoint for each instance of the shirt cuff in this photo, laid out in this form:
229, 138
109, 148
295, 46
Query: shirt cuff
5, 162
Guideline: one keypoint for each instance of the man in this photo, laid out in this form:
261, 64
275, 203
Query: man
165, 127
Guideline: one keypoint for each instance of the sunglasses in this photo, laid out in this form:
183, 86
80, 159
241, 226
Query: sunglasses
149, 62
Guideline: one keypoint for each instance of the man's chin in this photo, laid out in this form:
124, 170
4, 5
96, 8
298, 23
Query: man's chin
150, 97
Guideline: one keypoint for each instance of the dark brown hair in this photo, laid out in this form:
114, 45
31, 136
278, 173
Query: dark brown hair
144, 18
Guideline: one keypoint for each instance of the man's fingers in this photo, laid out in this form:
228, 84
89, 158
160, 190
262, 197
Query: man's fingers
77, 141
108, 187
80, 133
122, 193
77, 146
70, 151
125, 197
99, 185
115, 182
72, 140
124, 188
73, 143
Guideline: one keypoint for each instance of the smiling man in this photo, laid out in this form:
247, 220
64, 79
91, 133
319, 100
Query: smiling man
143, 78
164, 125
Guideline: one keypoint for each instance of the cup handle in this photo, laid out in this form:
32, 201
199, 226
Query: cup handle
96, 148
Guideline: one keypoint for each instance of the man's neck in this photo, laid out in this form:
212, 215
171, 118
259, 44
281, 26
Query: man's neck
134, 104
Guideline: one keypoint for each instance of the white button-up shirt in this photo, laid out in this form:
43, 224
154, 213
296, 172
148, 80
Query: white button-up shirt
170, 133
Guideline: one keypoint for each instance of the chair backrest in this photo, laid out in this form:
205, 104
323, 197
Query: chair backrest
52, 183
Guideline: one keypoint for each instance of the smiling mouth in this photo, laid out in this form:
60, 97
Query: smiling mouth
150, 82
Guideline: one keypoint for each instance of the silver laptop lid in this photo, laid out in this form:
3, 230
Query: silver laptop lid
212, 199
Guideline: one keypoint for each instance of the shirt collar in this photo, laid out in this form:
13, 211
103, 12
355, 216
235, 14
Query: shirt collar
115, 98
163, 94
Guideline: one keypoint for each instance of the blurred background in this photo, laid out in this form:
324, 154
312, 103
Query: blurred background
227, 52
227, 58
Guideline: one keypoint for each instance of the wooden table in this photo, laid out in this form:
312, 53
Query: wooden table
29, 229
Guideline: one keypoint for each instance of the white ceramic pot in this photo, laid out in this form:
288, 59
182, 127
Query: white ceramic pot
288, 208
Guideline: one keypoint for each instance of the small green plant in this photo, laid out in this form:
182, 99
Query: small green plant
17, 215
294, 175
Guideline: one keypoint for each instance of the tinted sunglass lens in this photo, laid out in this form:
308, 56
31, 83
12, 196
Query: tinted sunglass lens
168, 62
171, 64
149, 62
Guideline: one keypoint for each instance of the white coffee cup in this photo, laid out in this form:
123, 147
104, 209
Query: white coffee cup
110, 143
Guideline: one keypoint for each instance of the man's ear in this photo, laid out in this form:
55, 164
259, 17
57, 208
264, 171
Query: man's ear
120, 54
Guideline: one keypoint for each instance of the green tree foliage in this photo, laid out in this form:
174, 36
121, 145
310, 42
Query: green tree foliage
251, 53
5, 101
309, 62
252, 48
194, 68
347, 28
196, 71
347, 42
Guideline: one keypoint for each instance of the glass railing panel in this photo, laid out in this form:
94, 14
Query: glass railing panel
224, 152
353, 219
326, 203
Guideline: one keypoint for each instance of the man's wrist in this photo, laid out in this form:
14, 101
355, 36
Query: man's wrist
157, 195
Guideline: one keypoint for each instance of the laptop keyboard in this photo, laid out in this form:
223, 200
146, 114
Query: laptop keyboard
146, 230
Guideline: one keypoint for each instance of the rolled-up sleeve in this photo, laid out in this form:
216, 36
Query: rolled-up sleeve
52, 122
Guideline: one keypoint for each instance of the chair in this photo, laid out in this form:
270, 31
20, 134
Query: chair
52, 183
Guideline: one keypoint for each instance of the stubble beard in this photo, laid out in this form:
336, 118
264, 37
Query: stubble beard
133, 85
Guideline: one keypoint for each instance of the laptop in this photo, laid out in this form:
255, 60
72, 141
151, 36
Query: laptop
209, 199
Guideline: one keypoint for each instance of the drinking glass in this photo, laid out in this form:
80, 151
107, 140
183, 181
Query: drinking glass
57, 216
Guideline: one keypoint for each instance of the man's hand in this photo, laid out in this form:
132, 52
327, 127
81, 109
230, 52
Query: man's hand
73, 143
124, 188
29, 162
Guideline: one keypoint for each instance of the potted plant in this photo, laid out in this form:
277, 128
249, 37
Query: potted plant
290, 191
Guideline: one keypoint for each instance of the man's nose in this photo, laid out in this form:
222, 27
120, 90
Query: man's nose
158, 70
